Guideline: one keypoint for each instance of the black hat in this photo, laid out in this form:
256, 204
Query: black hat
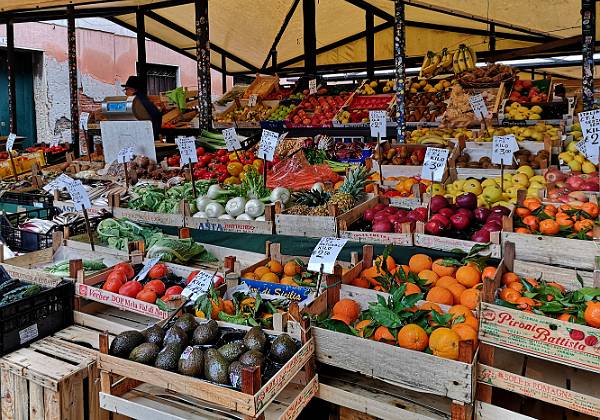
133, 82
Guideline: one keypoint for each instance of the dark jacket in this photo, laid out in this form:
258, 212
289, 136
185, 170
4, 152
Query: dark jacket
155, 114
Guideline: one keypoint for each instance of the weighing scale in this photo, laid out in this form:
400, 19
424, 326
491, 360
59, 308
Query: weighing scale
124, 108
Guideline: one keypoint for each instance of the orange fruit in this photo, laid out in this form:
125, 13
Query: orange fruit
430, 306
567, 317
531, 281
429, 276
510, 295
228, 307
443, 342
413, 337
473, 322
275, 267
370, 274
411, 289
270, 277
383, 334
360, 327
468, 276
457, 290
360, 282
341, 317
291, 268
470, 298
516, 285
458, 310
402, 267
442, 270
466, 332
549, 227
419, 262
260, 271
526, 303
445, 281
348, 308
251, 276
389, 261
592, 314
440, 295
288, 280
558, 286
509, 278
488, 272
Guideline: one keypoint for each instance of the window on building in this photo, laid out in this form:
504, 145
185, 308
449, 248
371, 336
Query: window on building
161, 78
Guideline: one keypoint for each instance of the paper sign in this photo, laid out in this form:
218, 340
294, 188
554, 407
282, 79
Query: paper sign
10, 141
479, 107
84, 117
589, 147
252, 100
187, 149
590, 127
503, 148
80, 196
66, 136
119, 134
378, 123
55, 141
198, 286
312, 86
326, 253
126, 154
434, 164
147, 267
232, 142
267, 145
58, 183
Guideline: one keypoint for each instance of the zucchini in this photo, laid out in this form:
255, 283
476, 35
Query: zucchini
8, 285
20, 293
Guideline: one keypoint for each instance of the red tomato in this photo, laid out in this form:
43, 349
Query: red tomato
224, 159
146, 295
200, 151
117, 275
157, 286
113, 285
221, 152
204, 160
126, 268
159, 271
173, 291
191, 277
131, 288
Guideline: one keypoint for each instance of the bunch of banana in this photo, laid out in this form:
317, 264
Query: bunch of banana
431, 139
446, 63
463, 59
431, 63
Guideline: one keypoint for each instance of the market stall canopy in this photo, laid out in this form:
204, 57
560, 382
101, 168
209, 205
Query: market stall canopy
246, 31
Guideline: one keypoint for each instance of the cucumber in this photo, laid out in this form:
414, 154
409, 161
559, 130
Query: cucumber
8, 285
20, 293
215, 136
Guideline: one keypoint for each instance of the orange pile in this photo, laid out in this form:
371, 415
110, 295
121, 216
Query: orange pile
564, 220
275, 272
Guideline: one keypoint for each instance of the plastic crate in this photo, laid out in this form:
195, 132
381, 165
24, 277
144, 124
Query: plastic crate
10, 201
36, 317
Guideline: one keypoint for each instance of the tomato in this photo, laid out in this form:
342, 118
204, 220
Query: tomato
126, 268
112, 285
173, 291
203, 161
222, 178
159, 271
157, 286
200, 151
131, 288
117, 275
224, 159
146, 295
197, 174
221, 152
191, 277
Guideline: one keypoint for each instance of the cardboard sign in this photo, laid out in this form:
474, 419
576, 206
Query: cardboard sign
187, 150
232, 142
325, 254
479, 107
252, 100
10, 141
198, 286
434, 164
378, 123
267, 145
147, 267
125, 155
503, 148
84, 117
80, 196
312, 86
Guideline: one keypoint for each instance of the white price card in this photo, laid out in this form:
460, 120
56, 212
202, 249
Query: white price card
378, 123
79, 195
55, 141
125, 154
589, 147
312, 86
58, 183
503, 148
479, 107
187, 150
199, 285
66, 136
147, 267
10, 141
252, 100
325, 254
84, 117
267, 145
590, 127
434, 164
232, 142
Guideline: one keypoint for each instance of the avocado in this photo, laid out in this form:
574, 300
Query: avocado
187, 322
175, 335
232, 351
216, 367
206, 332
168, 357
144, 353
191, 362
155, 335
235, 374
123, 343
255, 339
282, 348
252, 358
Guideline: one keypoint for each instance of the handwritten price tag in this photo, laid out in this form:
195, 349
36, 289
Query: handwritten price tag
479, 107
84, 118
147, 267
312, 86
434, 164
10, 141
55, 141
378, 123
187, 149
252, 100
590, 127
503, 148
267, 145
198, 286
80, 196
58, 183
232, 142
126, 154
325, 254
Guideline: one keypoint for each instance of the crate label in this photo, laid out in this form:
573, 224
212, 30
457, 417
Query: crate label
199, 285
478, 106
434, 164
121, 302
381, 238
296, 407
503, 148
295, 293
147, 267
377, 123
187, 150
28, 334
125, 155
539, 390
211, 226
267, 145
232, 142
405, 202
149, 217
540, 336
325, 254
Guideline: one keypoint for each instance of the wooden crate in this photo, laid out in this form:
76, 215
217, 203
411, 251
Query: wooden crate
266, 227
486, 411
51, 379
443, 243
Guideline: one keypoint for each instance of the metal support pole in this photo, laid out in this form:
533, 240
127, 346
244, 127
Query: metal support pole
370, 40
399, 49
12, 85
274, 61
73, 83
310, 37
492, 46
588, 32
203, 63
224, 73
142, 65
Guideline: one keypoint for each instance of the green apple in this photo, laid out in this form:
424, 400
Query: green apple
527, 170
521, 179
473, 186
488, 182
492, 194
438, 189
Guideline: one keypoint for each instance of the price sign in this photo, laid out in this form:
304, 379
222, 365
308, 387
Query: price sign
66, 136
479, 107
590, 127
55, 141
434, 164
147, 267
587, 147
187, 149
326, 253
80, 196
10, 141
312, 86
198, 286
58, 183
503, 148
232, 142
252, 100
378, 123
126, 154
84, 117
267, 145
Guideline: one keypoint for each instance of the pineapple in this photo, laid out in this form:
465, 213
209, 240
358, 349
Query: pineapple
352, 190
311, 198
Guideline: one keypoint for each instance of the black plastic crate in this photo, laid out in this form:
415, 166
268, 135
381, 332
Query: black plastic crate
20, 240
36, 317
27, 199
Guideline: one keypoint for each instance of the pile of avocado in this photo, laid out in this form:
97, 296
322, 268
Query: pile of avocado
200, 350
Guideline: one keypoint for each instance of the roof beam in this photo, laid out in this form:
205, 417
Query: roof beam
280, 33
536, 49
